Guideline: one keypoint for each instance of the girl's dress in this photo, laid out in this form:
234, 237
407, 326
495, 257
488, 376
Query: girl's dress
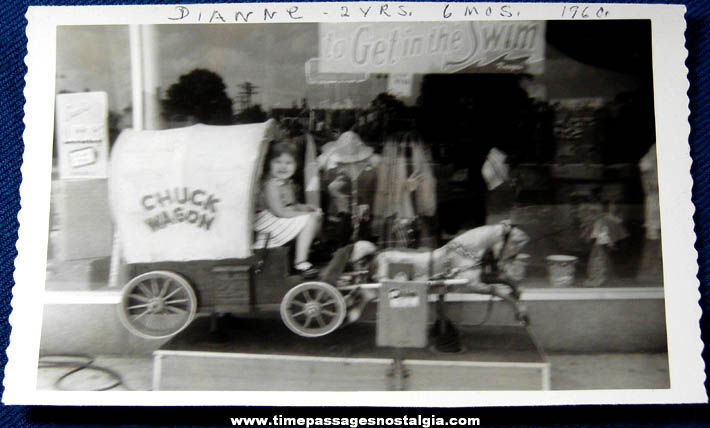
272, 231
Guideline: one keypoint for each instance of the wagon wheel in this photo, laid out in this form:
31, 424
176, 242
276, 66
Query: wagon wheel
313, 309
157, 304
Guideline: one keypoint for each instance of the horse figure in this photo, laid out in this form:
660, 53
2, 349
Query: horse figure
482, 255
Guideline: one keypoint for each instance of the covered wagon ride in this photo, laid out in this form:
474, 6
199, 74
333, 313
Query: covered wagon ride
183, 203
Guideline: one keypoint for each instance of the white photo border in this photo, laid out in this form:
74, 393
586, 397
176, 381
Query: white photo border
681, 288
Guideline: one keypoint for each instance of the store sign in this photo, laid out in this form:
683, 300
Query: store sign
432, 47
82, 134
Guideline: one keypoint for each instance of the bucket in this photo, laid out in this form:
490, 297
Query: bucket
517, 267
561, 269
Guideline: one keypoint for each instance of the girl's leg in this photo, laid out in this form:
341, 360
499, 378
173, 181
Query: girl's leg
305, 238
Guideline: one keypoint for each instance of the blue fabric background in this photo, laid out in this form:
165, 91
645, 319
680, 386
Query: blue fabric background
12, 70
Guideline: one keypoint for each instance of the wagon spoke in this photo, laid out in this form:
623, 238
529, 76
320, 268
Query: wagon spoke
172, 293
175, 310
170, 302
164, 288
296, 302
319, 294
142, 305
328, 302
307, 295
321, 321
141, 315
154, 286
139, 297
299, 313
144, 289
327, 312
309, 318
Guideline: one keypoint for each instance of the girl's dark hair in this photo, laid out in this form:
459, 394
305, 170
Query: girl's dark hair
282, 147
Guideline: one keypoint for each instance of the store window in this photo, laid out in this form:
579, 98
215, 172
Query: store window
552, 132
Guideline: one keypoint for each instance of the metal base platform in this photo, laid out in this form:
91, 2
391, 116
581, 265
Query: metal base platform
262, 354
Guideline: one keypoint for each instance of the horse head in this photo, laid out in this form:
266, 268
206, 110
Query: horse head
512, 242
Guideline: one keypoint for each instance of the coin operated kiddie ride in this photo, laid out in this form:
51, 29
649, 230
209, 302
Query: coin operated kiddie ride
183, 203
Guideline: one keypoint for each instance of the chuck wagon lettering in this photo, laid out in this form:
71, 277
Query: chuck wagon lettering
179, 205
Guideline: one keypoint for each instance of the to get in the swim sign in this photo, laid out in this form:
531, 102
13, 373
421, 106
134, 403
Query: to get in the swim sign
431, 47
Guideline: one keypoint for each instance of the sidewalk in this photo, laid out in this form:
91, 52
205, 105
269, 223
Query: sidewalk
569, 372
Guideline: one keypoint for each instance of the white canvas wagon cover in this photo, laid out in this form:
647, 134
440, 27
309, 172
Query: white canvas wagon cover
188, 193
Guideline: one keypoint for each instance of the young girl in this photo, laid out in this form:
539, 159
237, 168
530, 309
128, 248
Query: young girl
279, 217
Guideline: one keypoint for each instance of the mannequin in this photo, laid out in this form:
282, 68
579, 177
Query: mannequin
349, 170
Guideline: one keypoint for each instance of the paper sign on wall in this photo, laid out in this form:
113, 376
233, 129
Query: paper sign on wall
400, 85
82, 134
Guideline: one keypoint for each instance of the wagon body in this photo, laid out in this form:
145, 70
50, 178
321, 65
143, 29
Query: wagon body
183, 202
232, 285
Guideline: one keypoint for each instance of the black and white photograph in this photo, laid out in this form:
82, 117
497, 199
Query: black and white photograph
279, 199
